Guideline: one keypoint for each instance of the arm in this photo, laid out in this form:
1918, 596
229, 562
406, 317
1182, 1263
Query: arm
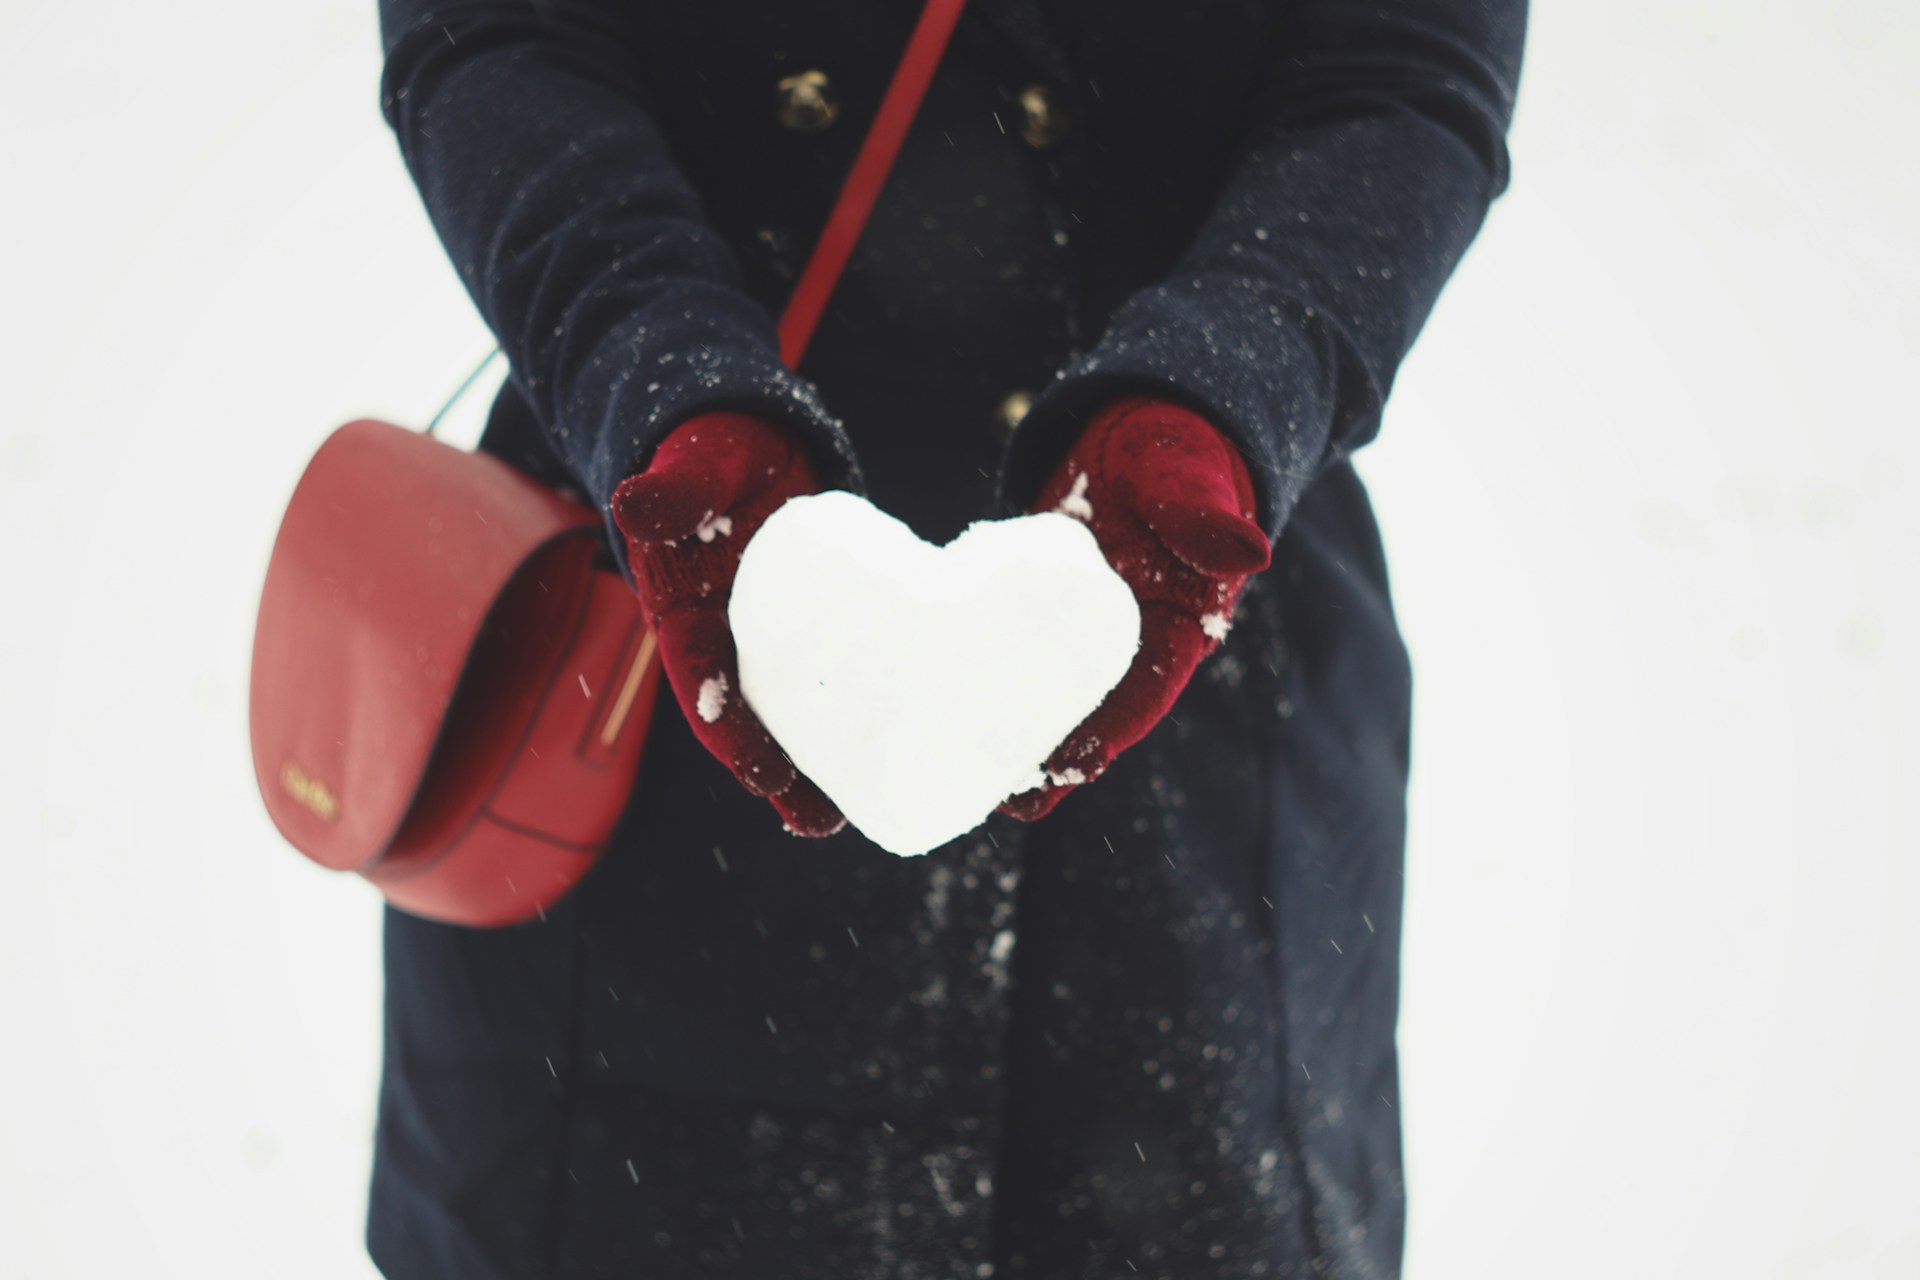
620, 312
1374, 150
1376, 147
581, 244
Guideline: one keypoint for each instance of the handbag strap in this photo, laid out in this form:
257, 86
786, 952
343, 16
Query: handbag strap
869, 173
898, 107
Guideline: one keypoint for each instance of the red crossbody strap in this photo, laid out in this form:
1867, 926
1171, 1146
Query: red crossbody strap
869, 173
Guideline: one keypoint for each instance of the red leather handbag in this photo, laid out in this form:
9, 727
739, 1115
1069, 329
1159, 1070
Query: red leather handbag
451, 682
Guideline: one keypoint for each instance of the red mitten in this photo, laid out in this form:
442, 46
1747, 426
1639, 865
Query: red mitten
1170, 501
712, 482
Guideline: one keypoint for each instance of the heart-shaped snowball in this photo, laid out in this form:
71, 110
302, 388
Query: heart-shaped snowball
919, 686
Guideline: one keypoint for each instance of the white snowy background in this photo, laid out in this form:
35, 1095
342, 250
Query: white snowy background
1648, 484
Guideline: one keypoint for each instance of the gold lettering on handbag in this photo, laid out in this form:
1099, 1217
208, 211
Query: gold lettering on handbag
309, 791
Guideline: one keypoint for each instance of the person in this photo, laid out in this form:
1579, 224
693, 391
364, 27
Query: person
1154, 266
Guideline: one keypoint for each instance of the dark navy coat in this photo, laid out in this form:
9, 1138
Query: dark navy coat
1151, 1035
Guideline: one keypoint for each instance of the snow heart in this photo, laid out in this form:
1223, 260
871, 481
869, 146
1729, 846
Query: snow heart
919, 686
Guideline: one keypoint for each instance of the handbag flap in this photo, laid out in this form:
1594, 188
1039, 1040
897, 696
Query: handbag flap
391, 554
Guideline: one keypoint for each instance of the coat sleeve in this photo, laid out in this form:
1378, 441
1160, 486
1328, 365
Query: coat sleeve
582, 245
1374, 149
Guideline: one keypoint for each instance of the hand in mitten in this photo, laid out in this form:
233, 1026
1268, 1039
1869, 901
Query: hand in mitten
1170, 501
711, 484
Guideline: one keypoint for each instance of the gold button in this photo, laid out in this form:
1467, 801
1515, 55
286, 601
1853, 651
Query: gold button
1043, 125
1011, 410
808, 103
